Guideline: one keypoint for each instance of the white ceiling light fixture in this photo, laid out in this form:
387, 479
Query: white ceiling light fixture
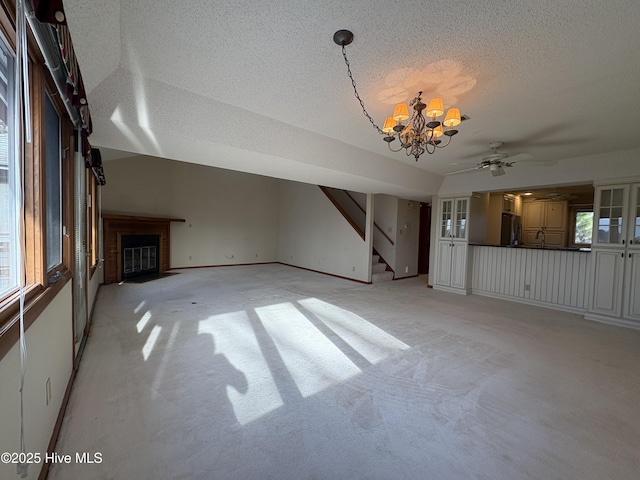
418, 135
497, 160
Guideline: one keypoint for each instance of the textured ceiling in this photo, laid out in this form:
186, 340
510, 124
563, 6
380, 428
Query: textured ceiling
261, 87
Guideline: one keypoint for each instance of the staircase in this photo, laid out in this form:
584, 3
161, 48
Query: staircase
379, 272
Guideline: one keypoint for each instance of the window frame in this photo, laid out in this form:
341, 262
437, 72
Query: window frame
48, 97
40, 290
573, 216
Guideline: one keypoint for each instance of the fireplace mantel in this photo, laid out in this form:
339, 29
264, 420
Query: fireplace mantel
116, 225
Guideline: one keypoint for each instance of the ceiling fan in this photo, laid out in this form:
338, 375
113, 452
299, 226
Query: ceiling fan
496, 161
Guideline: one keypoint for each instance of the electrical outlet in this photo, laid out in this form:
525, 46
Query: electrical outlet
47, 389
527, 287
23, 470
354, 269
189, 257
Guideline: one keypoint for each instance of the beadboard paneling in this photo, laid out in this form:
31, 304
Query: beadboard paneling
554, 277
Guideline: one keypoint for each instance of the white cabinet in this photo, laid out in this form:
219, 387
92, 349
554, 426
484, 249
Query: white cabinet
451, 264
453, 216
632, 284
451, 271
616, 254
547, 217
610, 212
608, 268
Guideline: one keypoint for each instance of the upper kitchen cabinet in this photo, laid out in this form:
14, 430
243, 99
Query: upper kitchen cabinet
545, 220
453, 218
612, 202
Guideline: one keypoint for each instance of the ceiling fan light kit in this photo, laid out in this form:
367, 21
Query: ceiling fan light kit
418, 135
496, 161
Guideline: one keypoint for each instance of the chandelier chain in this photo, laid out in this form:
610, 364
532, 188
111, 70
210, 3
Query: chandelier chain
355, 92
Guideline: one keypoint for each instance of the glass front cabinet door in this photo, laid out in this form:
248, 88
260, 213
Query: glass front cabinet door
610, 209
453, 218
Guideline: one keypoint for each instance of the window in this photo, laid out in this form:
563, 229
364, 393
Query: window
92, 218
581, 226
9, 245
53, 176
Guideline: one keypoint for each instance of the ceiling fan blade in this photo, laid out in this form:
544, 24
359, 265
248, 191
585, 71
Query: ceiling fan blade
519, 157
538, 163
463, 171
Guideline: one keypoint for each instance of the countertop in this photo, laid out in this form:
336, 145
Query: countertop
565, 249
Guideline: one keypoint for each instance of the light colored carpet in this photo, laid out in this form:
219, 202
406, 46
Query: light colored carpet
272, 372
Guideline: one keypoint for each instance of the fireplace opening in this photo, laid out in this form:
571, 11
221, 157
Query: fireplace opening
140, 254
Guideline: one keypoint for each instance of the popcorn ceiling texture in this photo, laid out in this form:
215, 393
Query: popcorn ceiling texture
541, 76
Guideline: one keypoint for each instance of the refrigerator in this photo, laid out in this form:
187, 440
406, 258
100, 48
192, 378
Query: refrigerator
511, 230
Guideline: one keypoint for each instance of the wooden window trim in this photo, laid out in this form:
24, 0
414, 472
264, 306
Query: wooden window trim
37, 299
40, 291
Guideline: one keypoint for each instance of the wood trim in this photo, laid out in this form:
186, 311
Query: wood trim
375, 225
41, 298
342, 211
116, 225
224, 265
44, 471
140, 218
67, 394
34, 169
325, 273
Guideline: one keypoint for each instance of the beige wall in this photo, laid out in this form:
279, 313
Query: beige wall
313, 234
231, 217
49, 355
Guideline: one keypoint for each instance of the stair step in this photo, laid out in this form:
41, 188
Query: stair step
381, 277
375, 259
378, 267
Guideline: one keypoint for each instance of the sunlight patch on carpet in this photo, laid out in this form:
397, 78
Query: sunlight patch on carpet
370, 341
313, 361
235, 339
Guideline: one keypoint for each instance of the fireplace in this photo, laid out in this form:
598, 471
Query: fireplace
135, 245
139, 255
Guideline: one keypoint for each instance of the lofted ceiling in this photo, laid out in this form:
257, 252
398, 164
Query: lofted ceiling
262, 87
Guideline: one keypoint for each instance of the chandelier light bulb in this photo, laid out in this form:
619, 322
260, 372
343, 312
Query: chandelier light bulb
389, 123
453, 118
401, 112
435, 107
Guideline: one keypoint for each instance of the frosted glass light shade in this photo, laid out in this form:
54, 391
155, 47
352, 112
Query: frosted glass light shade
435, 107
401, 112
389, 123
453, 118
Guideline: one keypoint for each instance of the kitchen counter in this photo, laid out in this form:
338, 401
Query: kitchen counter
565, 249
556, 277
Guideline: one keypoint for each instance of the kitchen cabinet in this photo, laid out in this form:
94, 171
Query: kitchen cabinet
551, 238
549, 217
616, 254
453, 214
509, 204
451, 270
452, 264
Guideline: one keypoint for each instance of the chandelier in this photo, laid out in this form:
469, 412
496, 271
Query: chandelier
419, 134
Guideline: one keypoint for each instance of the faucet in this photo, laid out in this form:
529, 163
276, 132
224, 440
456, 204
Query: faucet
538, 235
